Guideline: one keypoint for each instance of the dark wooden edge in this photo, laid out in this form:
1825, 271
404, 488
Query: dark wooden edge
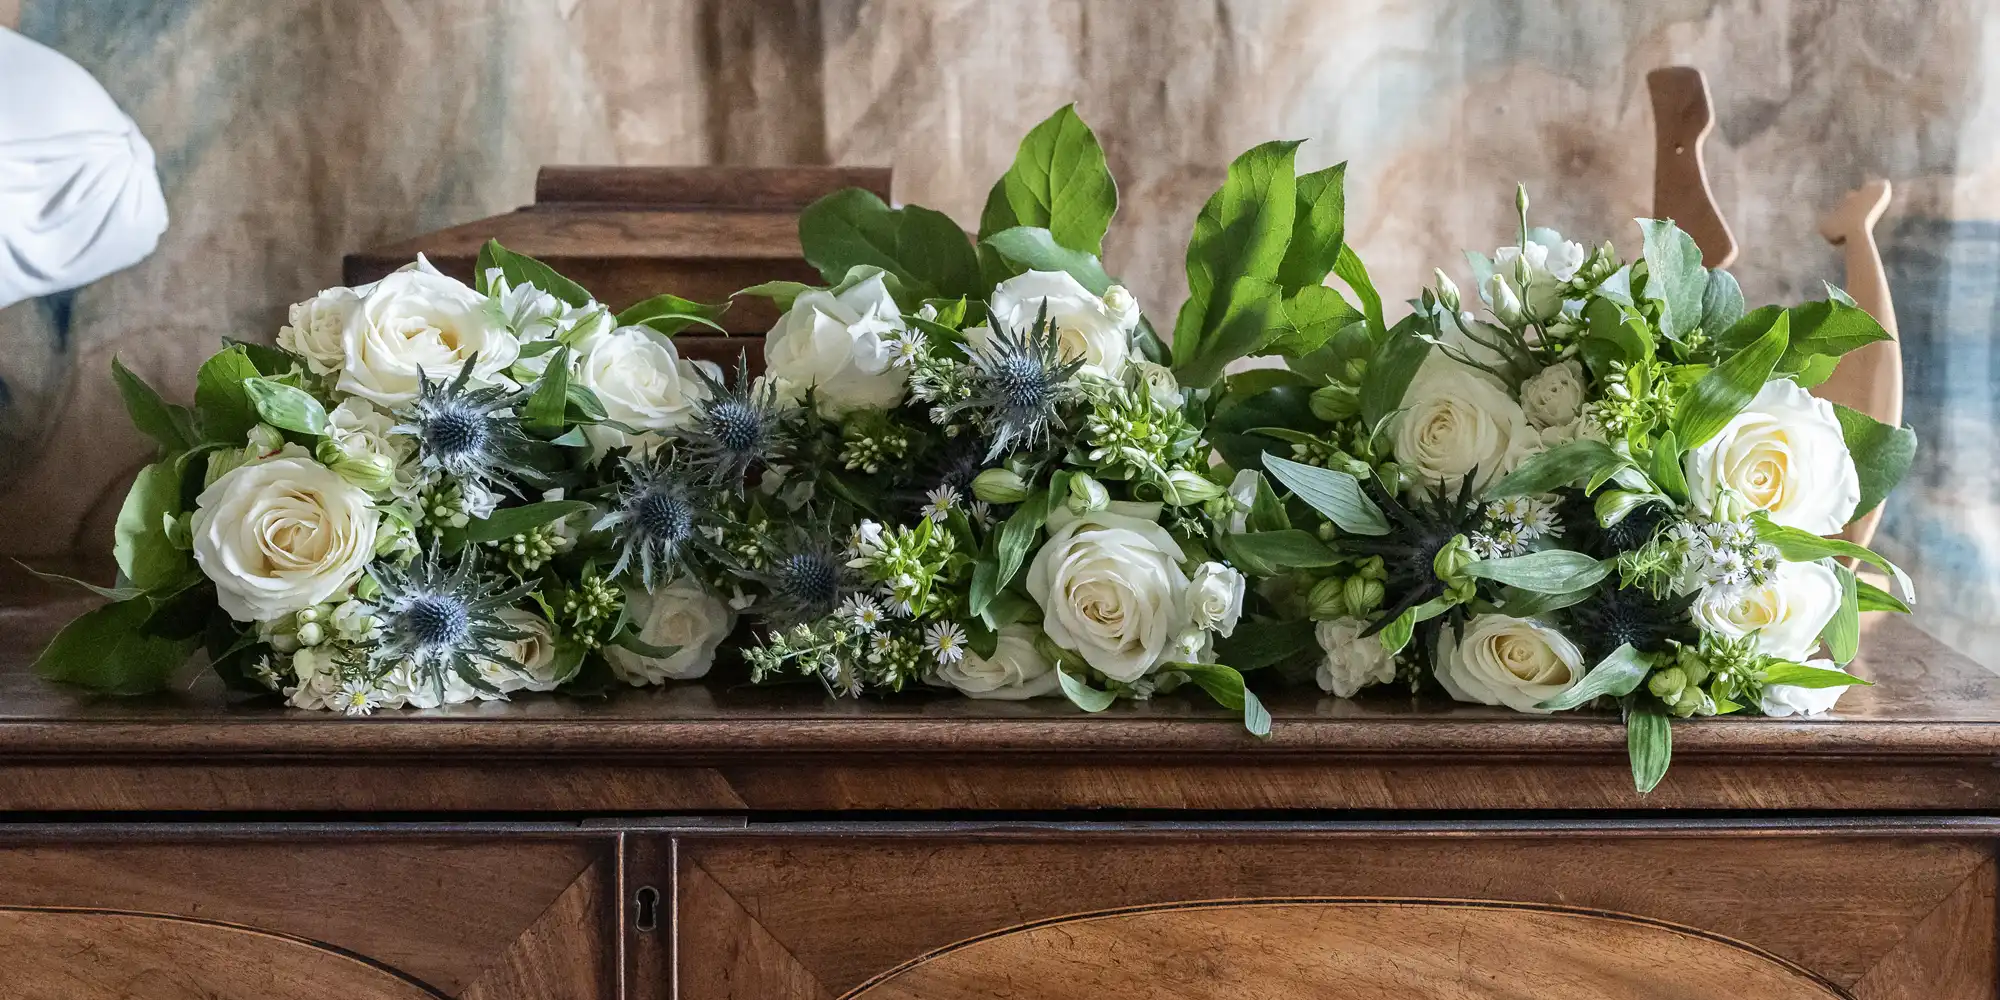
775, 188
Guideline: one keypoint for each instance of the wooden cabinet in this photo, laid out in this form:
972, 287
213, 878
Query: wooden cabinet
712, 842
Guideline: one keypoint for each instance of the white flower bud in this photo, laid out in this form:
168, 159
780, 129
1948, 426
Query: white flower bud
1185, 488
311, 634
264, 439
999, 486
1087, 495
1501, 299
1447, 290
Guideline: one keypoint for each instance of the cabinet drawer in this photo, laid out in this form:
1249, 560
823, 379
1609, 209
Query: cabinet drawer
302, 916
1410, 913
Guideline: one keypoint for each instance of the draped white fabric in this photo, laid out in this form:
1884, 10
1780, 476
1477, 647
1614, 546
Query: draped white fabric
79, 197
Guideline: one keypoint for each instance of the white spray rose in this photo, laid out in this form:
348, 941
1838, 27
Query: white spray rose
313, 329
281, 535
1243, 492
405, 687
1553, 397
419, 320
1094, 329
1111, 588
682, 614
1215, 598
533, 653
360, 430
1015, 672
1501, 660
1788, 612
642, 381
1781, 700
1457, 421
1160, 383
1351, 662
1785, 455
839, 346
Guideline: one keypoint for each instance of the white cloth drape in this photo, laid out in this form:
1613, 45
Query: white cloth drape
79, 197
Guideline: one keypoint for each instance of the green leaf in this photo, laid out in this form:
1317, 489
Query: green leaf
510, 521
670, 314
549, 403
1260, 644
1233, 258
1390, 369
1674, 277
1396, 634
1270, 553
985, 584
1019, 534
108, 650
144, 554
1565, 464
1728, 387
1233, 429
1882, 454
1649, 740
1331, 492
286, 407
1721, 302
1349, 268
1801, 676
1058, 182
1225, 685
926, 251
781, 293
1843, 630
1799, 545
628, 639
219, 397
1082, 695
1613, 335
1267, 512
1527, 604
1319, 225
1667, 471
1036, 249
1550, 571
108, 593
1869, 597
521, 269
1615, 676
1310, 318
156, 418
1830, 328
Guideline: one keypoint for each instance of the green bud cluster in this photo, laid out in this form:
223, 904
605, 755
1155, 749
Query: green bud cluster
867, 445
443, 506
916, 564
528, 551
1130, 432
1356, 595
590, 610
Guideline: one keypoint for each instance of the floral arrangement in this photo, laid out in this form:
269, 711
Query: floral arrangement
1617, 485
971, 463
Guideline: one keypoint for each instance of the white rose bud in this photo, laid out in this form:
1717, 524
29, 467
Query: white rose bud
313, 329
1505, 304
684, 615
1016, 671
1159, 382
1784, 454
1215, 598
1553, 397
1447, 289
1087, 494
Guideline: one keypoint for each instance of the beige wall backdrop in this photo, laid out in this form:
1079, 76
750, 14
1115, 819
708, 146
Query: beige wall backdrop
292, 131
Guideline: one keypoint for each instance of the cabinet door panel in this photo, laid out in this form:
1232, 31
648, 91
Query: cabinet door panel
1410, 915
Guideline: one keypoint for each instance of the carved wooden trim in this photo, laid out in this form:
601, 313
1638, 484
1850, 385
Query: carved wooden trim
1683, 116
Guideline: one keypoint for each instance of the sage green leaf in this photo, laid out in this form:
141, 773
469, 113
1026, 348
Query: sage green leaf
286, 407
510, 521
1270, 553
1319, 226
1331, 492
1565, 464
1225, 685
145, 555
1310, 318
670, 314
1831, 328
548, 404
1238, 244
1674, 277
781, 293
1058, 182
1798, 545
1082, 695
1869, 597
1394, 363
1613, 335
1709, 404
156, 418
1801, 676
1019, 534
1649, 741
1882, 454
109, 650
220, 399
1528, 604
1843, 630
1550, 571
1667, 472
1036, 249
1721, 302
985, 585
1615, 676
1267, 512
1349, 268
1395, 635
521, 269
1259, 644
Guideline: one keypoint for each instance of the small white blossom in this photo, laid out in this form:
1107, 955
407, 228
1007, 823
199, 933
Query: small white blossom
946, 642
863, 611
942, 500
357, 698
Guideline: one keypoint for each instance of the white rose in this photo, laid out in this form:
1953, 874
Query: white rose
1094, 329
1781, 700
1160, 383
1787, 613
1456, 421
642, 381
1111, 588
404, 687
419, 320
682, 614
1351, 662
533, 653
1215, 598
1243, 491
1015, 672
1516, 662
1553, 396
360, 430
281, 535
839, 346
313, 329
1784, 454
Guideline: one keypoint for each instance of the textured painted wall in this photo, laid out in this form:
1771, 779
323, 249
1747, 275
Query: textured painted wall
292, 131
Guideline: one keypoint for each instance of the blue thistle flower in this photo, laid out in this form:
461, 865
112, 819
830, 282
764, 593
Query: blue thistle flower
445, 618
655, 519
735, 429
469, 434
806, 577
1020, 382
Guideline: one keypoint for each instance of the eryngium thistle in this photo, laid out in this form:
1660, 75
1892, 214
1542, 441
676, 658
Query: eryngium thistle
1615, 616
468, 434
655, 518
1020, 382
734, 429
445, 618
806, 577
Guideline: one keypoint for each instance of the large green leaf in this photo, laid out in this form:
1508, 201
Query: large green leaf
1565, 464
1270, 553
145, 556
1832, 328
1674, 276
164, 422
1225, 685
510, 521
1882, 454
286, 407
1233, 430
1799, 545
1390, 369
1843, 631
1721, 302
1058, 182
1311, 316
109, 650
670, 314
1349, 268
1318, 228
924, 249
1233, 258
1259, 644
521, 269
1728, 387
1081, 694
1802, 676
1550, 571
1019, 534
1036, 249
227, 413
1615, 676
1649, 741
1331, 492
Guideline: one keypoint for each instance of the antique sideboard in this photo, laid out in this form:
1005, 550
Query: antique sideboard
716, 841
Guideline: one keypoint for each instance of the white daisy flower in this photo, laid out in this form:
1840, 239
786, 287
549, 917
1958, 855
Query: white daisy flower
942, 500
1538, 520
946, 642
863, 612
357, 697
